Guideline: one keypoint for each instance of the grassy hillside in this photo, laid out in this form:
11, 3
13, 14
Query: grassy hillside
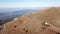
32, 23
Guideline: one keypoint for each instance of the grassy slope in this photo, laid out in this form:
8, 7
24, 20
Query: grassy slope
32, 23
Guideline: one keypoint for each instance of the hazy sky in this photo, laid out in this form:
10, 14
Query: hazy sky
28, 3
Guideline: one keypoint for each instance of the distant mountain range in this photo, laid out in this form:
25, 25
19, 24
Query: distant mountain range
9, 14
